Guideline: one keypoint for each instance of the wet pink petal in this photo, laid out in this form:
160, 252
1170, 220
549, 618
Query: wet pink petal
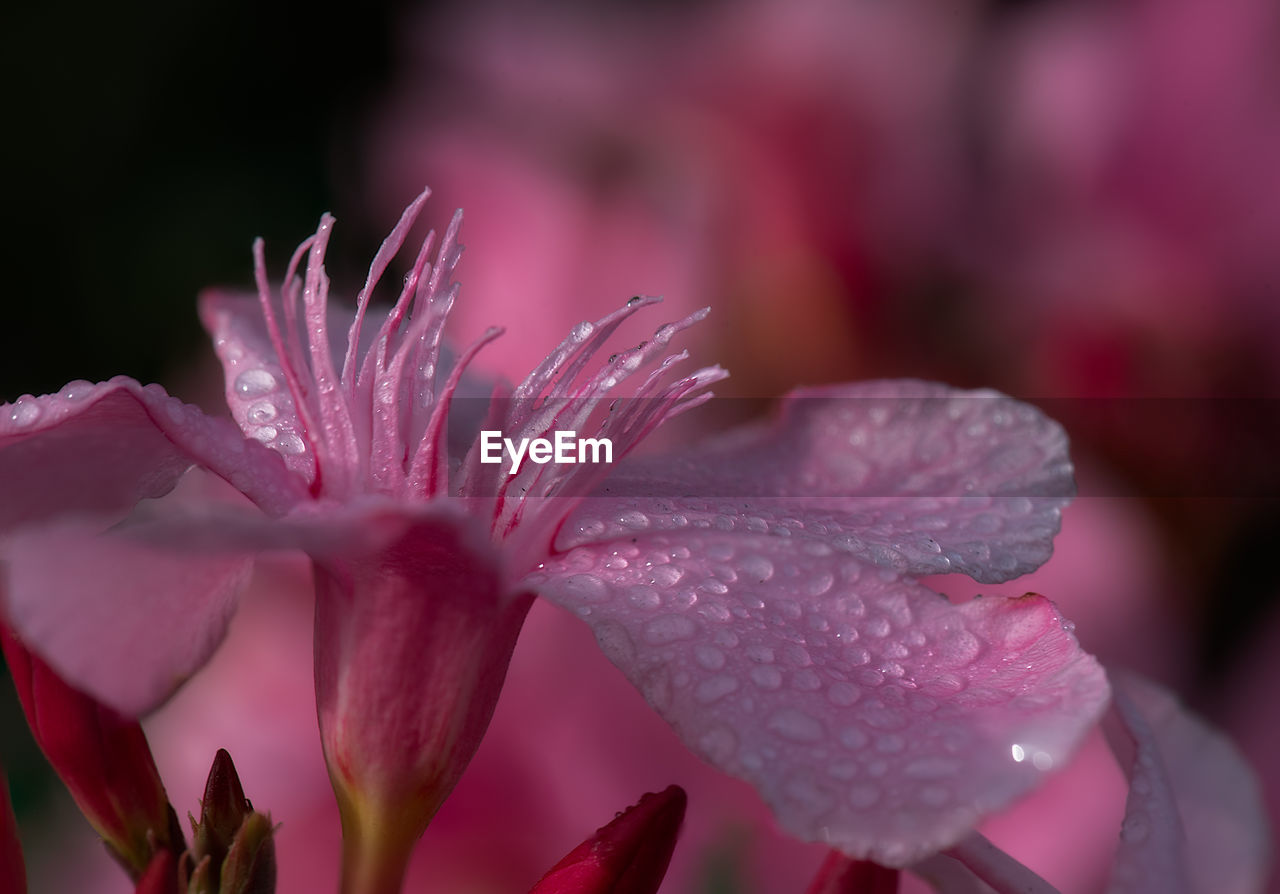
867, 710
99, 449
256, 392
911, 476
1194, 820
179, 608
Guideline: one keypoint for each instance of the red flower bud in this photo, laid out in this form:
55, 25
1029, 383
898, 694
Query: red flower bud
102, 758
628, 856
13, 877
840, 874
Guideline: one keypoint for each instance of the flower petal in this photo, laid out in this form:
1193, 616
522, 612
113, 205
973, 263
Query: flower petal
868, 711
117, 618
256, 391
911, 476
1194, 820
98, 449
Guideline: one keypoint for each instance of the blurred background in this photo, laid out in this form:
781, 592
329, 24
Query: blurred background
1077, 203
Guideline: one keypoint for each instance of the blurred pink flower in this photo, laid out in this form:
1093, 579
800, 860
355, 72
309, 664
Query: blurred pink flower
760, 591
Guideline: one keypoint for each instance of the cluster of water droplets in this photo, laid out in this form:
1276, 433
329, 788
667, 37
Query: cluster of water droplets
263, 420
840, 689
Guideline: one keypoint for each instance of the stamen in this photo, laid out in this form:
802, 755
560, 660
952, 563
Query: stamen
389, 249
429, 471
335, 414
295, 384
999, 870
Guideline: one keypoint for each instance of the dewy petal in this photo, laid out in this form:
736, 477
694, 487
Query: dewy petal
154, 618
256, 391
99, 449
868, 711
911, 476
1194, 820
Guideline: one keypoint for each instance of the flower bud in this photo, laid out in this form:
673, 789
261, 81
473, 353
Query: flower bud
101, 756
13, 875
233, 851
628, 856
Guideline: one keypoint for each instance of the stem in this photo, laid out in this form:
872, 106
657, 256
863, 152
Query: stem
1003, 873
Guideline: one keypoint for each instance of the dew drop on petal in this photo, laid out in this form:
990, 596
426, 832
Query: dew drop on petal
666, 575
842, 694
24, 413
255, 382
715, 688
76, 390
795, 725
668, 629
586, 587
709, 657
766, 676
261, 412
719, 744
289, 443
643, 597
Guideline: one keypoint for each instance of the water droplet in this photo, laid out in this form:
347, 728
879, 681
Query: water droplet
643, 597
24, 412
842, 694
669, 628
766, 676
266, 434
586, 587
820, 584
760, 654
715, 688
634, 519
709, 656
727, 638
666, 575
877, 627
77, 390
711, 585
806, 681
718, 744
255, 382
289, 443
261, 412
795, 725
890, 744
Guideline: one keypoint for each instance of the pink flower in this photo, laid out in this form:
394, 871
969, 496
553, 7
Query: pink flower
760, 591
